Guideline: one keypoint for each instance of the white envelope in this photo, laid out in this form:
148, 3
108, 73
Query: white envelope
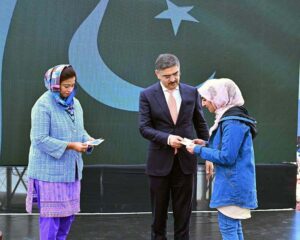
95, 142
186, 141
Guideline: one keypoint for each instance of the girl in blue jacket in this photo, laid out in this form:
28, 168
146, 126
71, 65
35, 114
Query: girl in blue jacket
230, 148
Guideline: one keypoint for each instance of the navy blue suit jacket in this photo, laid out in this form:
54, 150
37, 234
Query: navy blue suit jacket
155, 124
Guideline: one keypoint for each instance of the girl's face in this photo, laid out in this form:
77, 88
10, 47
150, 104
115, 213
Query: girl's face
209, 105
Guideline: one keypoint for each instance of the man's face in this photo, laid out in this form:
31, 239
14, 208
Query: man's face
169, 77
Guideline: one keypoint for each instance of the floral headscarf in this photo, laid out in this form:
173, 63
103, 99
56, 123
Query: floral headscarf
52, 83
223, 93
52, 77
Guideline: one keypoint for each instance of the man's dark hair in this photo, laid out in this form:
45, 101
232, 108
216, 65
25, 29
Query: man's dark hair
166, 60
67, 73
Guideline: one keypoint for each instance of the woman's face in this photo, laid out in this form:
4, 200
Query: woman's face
209, 105
67, 86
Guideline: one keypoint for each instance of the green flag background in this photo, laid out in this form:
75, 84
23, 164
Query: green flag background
253, 42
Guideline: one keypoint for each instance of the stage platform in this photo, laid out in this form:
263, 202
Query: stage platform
264, 225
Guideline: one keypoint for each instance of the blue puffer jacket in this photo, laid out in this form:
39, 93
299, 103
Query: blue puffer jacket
231, 150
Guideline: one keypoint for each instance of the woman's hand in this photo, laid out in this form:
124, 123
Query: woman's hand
190, 148
77, 146
199, 142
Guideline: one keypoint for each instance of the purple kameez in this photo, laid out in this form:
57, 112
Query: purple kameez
55, 199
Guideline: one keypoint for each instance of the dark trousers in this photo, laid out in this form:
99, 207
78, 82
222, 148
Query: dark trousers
180, 188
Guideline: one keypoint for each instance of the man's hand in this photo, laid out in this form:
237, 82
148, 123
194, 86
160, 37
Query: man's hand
175, 141
209, 169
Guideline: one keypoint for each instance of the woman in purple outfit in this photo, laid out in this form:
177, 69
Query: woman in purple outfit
58, 139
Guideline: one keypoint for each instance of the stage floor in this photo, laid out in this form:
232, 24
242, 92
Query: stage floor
264, 225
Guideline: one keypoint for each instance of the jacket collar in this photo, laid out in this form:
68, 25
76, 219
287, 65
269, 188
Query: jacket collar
241, 114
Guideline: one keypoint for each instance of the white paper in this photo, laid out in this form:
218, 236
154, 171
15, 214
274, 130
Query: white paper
95, 142
186, 141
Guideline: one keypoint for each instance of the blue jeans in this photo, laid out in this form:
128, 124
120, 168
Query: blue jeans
230, 228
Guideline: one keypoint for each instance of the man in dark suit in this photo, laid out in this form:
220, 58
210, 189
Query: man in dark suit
170, 111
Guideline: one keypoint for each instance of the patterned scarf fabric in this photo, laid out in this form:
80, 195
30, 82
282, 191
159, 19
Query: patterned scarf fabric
52, 83
224, 94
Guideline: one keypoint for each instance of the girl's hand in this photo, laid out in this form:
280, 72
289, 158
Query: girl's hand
209, 168
199, 142
190, 148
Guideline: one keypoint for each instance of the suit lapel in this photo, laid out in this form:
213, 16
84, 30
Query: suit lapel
183, 100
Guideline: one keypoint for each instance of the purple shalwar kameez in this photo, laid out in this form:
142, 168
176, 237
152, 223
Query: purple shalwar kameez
54, 170
57, 203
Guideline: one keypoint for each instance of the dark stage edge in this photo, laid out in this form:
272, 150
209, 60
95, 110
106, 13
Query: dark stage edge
264, 225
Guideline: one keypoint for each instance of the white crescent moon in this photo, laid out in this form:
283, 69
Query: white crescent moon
94, 76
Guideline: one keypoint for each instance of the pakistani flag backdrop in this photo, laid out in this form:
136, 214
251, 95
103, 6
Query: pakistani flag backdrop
113, 45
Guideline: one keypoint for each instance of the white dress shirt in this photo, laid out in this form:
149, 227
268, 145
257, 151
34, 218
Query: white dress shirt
177, 97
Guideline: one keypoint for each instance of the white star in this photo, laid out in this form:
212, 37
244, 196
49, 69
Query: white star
176, 15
